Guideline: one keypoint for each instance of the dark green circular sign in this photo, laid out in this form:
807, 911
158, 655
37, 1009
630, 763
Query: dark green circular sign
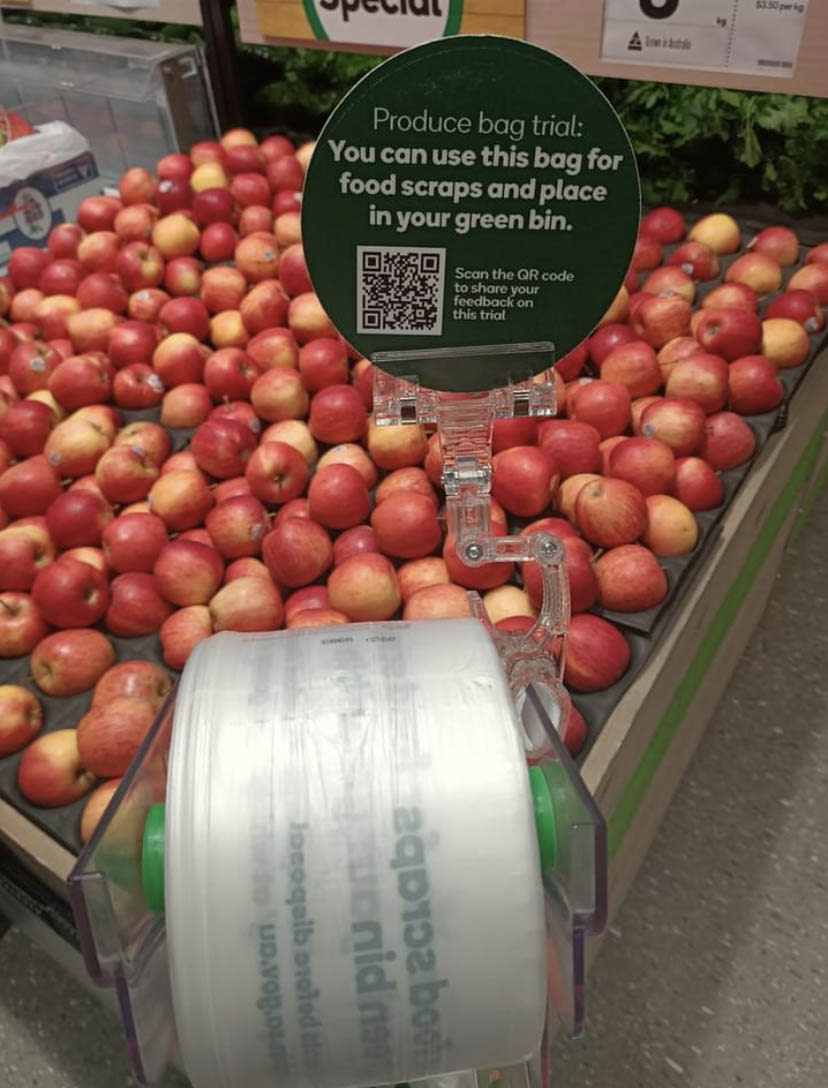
468, 193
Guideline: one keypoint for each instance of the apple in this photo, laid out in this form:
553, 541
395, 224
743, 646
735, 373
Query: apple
208, 175
297, 434
250, 189
719, 231
416, 574
647, 254
610, 512
411, 478
26, 266
288, 228
647, 463
580, 573
89, 330
185, 314
213, 206
318, 617
218, 242
279, 394
779, 243
51, 772
245, 567
227, 330
572, 444
439, 602
174, 195
132, 542
277, 473
630, 579
348, 453
71, 661
731, 296
801, 306
175, 235
29, 487
182, 276
306, 318
187, 572
69, 593
397, 445
274, 147
638, 298
297, 552
669, 280
664, 224
338, 497
125, 474
671, 527
677, 421
181, 499
109, 735
482, 575
697, 260
98, 252
814, 278
365, 588
181, 633
818, 255
245, 158
77, 518
355, 541
257, 257
307, 599
285, 173
247, 604
239, 410
597, 654
322, 362
728, 441
682, 347
729, 333
603, 405
145, 305
635, 366
523, 479
785, 342
237, 525
99, 289
137, 386
183, 461
337, 414
754, 386
293, 508
52, 314
96, 806
24, 306
21, 718
222, 289
81, 379
238, 137
286, 200
222, 447
25, 427
21, 628
139, 266
31, 364
568, 492
406, 525
61, 277
179, 359
761, 273
603, 341
186, 405
618, 308
274, 348
697, 485
701, 377
63, 241
136, 607
293, 271
264, 307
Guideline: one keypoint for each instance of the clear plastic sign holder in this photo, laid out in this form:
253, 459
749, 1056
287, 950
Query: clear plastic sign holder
120, 920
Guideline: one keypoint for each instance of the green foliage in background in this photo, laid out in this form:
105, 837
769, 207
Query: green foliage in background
692, 143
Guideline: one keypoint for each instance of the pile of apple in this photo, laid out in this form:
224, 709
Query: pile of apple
186, 447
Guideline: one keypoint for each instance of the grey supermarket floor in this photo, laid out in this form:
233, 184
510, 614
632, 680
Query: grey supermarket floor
715, 971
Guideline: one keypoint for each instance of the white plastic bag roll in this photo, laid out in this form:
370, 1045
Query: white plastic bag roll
353, 891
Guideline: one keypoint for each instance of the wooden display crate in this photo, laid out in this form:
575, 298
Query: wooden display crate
640, 755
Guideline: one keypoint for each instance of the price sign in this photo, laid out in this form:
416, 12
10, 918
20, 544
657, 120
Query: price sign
752, 36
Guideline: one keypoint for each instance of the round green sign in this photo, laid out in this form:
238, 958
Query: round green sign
470, 194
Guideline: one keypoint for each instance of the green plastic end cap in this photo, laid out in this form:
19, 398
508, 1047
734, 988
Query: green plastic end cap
545, 826
152, 859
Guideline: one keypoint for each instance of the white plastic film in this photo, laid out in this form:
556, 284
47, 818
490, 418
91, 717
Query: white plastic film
353, 891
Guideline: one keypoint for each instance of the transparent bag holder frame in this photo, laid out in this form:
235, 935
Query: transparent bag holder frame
124, 942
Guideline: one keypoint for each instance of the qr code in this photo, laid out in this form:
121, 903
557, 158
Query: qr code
400, 290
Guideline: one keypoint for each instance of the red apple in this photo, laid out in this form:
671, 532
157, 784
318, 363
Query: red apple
664, 224
264, 307
818, 255
132, 542
337, 414
647, 254
25, 427
348, 453
95, 807
24, 306
669, 280
306, 318
28, 487
411, 478
174, 195
181, 499
245, 158
307, 599
26, 266
700, 377
137, 186
186, 405
754, 386
630, 579
136, 387
355, 541
145, 305
31, 365
605, 340
182, 461
125, 474
647, 463
365, 588
731, 296
139, 266
814, 278
237, 525
523, 479
603, 405
255, 218
572, 444
71, 661
785, 342
323, 362
697, 260
218, 242
437, 602
64, 240
761, 273
183, 276
77, 518
279, 394
100, 289
21, 718
479, 576
187, 572
246, 567
213, 206
610, 512
75, 446
110, 734
179, 359
61, 277
257, 257
247, 604
274, 147
230, 374
338, 497
729, 333
285, 173
135, 608
182, 632
728, 441
52, 315
680, 348
676, 421
277, 473
248, 189
21, 628
69, 593
800, 306
239, 410
779, 243
81, 380
274, 348
288, 228
297, 552
223, 447
719, 231
98, 252
697, 485
635, 366
580, 573
89, 330
406, 525
51, 772
186, 314
293, 271
297, 434
597, 654
414, 575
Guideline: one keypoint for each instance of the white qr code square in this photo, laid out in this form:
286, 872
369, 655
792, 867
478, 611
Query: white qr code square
400, 290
